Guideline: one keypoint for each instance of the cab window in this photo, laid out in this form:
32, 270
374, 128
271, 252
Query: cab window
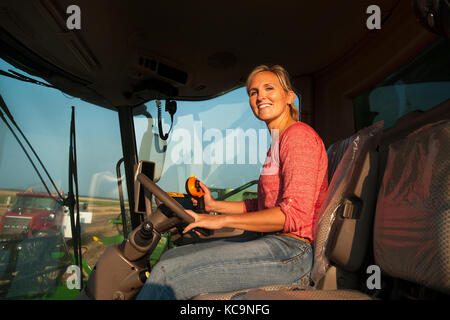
420, 85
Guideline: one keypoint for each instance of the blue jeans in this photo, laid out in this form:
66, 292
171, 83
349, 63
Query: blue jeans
247, 261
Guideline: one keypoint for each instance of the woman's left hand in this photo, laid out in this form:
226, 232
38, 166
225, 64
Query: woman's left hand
207, 221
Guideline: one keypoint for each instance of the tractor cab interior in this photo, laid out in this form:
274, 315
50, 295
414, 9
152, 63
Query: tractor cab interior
371, 77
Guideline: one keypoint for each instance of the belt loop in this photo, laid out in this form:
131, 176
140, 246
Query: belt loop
304, 239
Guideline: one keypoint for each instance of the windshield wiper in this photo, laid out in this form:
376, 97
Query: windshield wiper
72, 200
18, 76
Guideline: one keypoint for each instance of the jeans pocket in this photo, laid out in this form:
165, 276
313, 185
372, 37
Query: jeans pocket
303, 249
299, 264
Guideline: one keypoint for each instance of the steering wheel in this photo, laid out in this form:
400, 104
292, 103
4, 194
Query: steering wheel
159, 193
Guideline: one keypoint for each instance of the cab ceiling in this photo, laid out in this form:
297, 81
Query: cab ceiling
129, 52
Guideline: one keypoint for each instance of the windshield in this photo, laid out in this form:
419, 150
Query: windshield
220, 141
35, 265
29, 202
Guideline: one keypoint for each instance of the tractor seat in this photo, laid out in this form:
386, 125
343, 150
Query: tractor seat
411, 225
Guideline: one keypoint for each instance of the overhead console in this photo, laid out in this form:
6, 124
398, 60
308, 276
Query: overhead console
163, 70
155, 77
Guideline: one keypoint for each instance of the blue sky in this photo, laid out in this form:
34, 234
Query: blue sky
44, 116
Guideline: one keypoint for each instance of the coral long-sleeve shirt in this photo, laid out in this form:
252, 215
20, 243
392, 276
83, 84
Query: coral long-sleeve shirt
294, 177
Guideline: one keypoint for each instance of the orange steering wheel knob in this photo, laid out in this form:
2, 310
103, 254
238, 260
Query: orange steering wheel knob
193, 187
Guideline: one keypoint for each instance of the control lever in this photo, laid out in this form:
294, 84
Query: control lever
144, 236
194, 189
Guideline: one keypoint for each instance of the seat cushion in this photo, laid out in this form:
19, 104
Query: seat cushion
286, 292
240, 294
258, 294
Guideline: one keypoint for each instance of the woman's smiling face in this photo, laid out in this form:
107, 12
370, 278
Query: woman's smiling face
268, 99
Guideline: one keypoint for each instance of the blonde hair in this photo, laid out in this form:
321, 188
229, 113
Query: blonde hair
283, 77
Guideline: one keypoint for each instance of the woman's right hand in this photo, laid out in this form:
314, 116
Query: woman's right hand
209, 200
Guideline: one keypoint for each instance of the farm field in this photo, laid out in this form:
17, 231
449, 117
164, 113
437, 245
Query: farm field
103, 210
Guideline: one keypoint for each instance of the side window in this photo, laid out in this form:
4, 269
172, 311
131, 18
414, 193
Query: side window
420, 85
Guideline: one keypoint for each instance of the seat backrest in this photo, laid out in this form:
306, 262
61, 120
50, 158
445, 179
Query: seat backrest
350, 233
406, 125
345, 216
335, 153
412, 219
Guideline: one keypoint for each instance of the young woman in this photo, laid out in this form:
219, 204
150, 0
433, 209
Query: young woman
277, 245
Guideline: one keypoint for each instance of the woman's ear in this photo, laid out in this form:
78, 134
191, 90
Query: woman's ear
291, 97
